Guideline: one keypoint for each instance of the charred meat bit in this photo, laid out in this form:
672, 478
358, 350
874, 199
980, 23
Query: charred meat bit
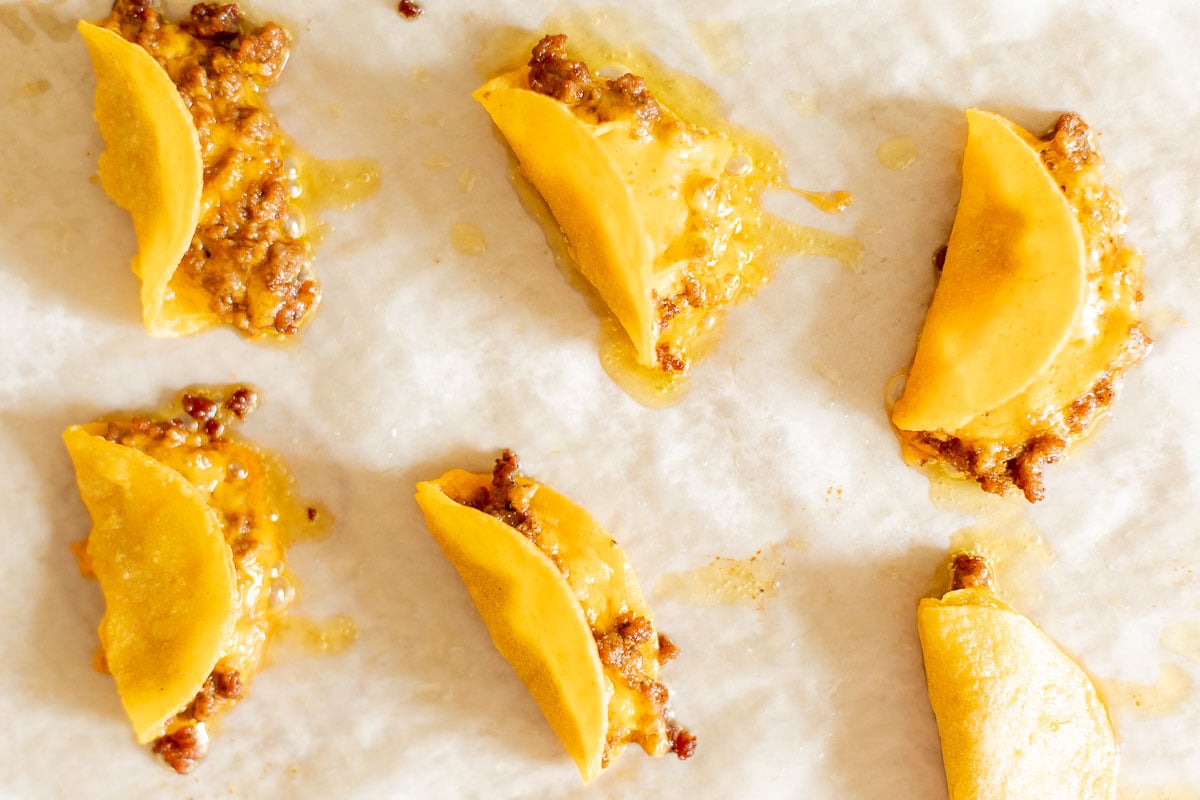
683, 744
667, 360
243, 546
214, 429
410, 10
667, 649
502, 501
953, 451
968, 571
939, 259
666, 309
1072, 140
694, 291
204, 704
199, 407
182, 750
631, 92
1021, 468
242, 402
657, 693
619, 647
505, 472
263, 52
137, 18
1086, 407
1025, 469
637, 630
224, 684
553, 73
215, 21
228, 683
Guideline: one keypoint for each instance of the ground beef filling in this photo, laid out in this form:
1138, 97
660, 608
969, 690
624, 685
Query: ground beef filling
692, 295
504, 499
999, 465
621, 650
969, 571
202, 425
182, 749
257, 276
410, 10
553, 73
186, 742
622, 647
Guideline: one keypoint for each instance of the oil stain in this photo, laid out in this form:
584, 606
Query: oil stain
731, 581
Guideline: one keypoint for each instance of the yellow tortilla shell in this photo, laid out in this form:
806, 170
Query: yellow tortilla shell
1018, 719
1011, 289
153, 169
533, 615
158, 550
619, 199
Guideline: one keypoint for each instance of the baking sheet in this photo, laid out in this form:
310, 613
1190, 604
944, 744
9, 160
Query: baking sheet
423, 359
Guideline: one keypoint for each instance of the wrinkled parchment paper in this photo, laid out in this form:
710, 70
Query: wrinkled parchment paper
423, 359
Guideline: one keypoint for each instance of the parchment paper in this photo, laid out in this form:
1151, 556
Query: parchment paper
423, 359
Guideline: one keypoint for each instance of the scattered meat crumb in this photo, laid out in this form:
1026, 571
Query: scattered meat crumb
684, 744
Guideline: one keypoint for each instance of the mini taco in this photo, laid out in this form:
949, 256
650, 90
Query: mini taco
197, 160
662, 216
1035, 314
153, 169
186, 543
1017, 717
562, 606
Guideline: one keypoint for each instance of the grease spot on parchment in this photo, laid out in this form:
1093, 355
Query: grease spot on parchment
467, 180
1175, 791
24, 20
36, 88
1183, 639
898, 153
319, 637
826, 370
468, 239
806, 105
723, 43
731, 581
1165, 696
